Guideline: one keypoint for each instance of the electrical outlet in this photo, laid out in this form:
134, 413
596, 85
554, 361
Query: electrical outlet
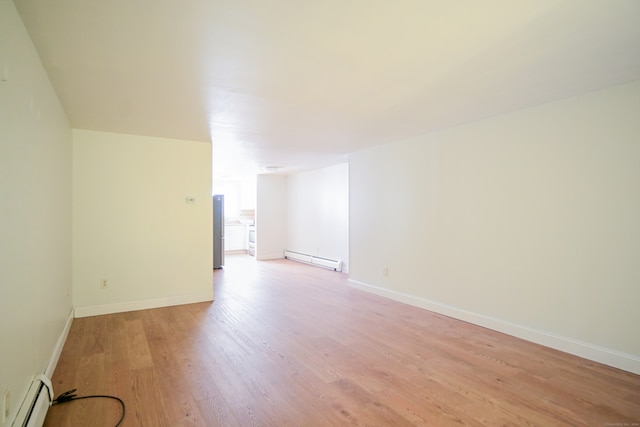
6, 405
104, 284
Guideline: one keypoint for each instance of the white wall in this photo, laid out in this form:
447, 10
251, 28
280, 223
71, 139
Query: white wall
526, 222
318, 212
35, 212
271, 216
239, 194
131, 224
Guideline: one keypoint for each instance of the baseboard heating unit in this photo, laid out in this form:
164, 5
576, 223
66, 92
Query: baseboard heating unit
314, 260
36, 404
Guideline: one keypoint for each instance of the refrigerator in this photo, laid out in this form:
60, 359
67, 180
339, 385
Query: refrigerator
218, 231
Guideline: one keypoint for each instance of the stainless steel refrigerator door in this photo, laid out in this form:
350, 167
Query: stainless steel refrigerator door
218, 231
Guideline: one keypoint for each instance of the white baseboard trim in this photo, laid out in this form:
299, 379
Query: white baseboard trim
121, 307
277, 255
624, 361
57, 350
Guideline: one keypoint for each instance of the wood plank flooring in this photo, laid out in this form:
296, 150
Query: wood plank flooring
285, 344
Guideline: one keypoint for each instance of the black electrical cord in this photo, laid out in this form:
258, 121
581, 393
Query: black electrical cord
69, 396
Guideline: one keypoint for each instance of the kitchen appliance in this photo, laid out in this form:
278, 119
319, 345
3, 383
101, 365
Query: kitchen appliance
252, 240
218, 231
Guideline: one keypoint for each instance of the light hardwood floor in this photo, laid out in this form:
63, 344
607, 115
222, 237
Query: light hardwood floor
285, 344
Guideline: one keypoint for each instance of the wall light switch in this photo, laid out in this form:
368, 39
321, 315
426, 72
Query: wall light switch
191, 200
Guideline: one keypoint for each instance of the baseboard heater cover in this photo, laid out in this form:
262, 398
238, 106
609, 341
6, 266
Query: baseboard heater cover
36, 403
310, 259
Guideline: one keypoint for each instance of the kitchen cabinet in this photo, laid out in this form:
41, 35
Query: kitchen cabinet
235, 238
